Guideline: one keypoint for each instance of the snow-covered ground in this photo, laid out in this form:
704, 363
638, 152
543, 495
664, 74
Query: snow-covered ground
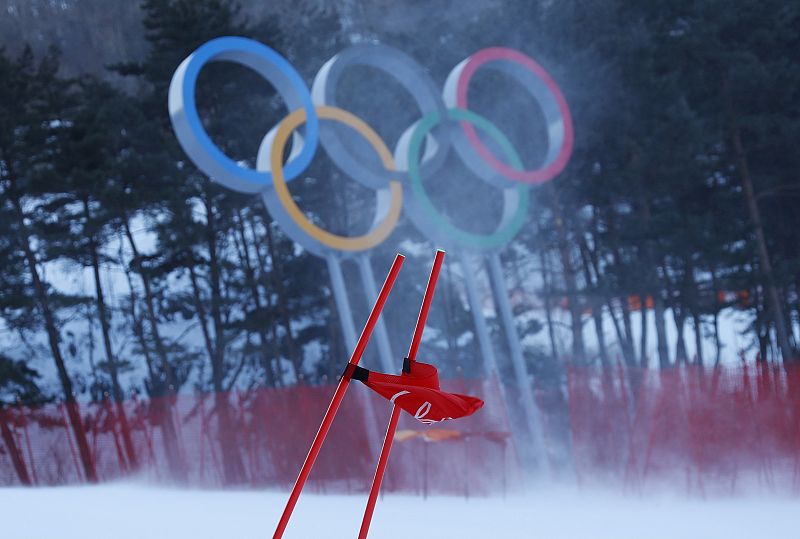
141, 512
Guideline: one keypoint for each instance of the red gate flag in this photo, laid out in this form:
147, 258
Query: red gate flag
417, 392
338, 395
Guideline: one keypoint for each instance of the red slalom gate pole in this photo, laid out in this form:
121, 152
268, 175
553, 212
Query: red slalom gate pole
412, 356
338, 395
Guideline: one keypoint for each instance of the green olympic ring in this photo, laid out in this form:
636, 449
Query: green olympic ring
516, 197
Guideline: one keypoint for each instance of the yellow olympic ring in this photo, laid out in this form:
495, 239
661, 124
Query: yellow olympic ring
384, 224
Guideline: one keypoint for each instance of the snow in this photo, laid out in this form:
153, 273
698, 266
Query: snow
128, 511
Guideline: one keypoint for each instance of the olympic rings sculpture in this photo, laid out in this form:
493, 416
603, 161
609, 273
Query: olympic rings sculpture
446, 122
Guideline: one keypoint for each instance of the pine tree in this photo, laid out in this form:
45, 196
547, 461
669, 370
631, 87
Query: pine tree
34, 114
198, 218
88, 165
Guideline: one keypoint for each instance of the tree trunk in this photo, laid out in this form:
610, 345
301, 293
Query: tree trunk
334, 338
13, 449
136, 323
232, 464
661, 330
149, 299
596, 302
116, 389
264, 280
283, 306
679, 316
201, 314
570, 282
717, 342
547, 313
761, 326
772, 295
643, 333
788, 324
698, 338
162, 391
576, 325
652, 281
796, 306
626, 322
449, 314
625, 337
250, 276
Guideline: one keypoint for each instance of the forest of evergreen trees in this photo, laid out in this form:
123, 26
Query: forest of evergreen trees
679, 197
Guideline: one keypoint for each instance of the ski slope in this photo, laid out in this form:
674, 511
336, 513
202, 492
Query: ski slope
129, 511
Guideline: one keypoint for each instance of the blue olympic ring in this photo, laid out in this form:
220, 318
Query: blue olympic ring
193, 137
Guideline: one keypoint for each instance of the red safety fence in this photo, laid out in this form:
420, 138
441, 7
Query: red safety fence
703, 430
269, 434
722, 430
